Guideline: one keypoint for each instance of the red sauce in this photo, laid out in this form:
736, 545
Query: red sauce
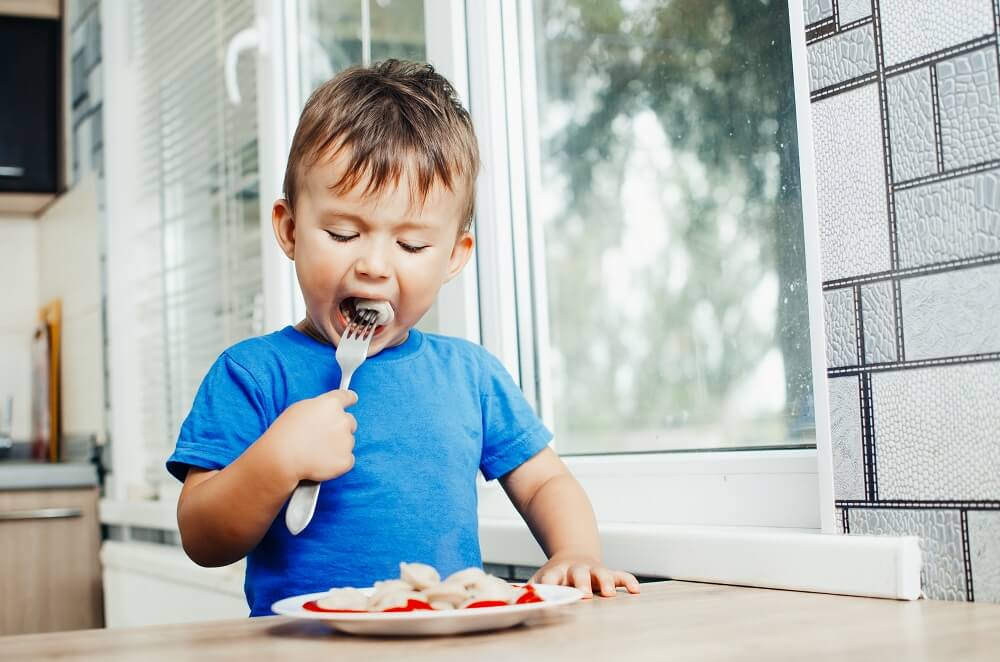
486, 603
529, 596
411, 605
312, 605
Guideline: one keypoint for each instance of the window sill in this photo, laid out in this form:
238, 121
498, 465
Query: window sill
793, 559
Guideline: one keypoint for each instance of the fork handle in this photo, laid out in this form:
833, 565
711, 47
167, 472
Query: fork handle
301, 506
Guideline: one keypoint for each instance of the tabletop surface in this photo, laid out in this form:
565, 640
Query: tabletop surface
668, 621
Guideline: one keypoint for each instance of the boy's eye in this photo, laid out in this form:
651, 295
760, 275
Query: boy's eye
340, 237
410, 248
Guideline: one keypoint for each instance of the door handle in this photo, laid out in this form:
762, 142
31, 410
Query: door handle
11, 171
40, 513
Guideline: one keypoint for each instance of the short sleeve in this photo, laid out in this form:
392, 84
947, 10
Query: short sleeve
227, 416
512, 433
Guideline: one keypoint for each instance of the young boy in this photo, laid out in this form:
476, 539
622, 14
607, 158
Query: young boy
379, 192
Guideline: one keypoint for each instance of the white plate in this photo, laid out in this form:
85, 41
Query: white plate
423, 623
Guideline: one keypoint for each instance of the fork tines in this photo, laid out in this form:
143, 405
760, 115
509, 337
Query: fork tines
363, 324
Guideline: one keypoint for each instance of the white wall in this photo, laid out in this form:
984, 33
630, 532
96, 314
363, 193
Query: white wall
54, 256
68, 268
18, 314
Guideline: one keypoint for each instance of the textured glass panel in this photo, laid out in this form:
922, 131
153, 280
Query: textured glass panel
912, 28
845, 429
943, 574
911, 125
984, 551
952, 313
935, 432
853, 10
969, 94
879, 320
841, 57
850, 184
672, 225
949, 220
841, 331
817, 10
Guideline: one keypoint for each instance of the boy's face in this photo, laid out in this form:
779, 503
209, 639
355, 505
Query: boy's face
348, 246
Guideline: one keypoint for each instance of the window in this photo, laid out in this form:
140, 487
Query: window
642, 252
598, 187
194, 212
674, 270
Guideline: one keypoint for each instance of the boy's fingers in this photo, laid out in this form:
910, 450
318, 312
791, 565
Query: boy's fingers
344, 398
627, 580
580, 578
605, 580
550, 576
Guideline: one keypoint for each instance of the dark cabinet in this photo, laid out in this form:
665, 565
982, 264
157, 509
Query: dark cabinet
29, 104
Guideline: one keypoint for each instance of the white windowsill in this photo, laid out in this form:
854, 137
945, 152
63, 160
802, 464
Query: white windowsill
802, 560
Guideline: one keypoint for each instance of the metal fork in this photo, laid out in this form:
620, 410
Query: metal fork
351, 353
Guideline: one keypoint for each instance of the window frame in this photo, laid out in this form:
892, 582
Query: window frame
501, 88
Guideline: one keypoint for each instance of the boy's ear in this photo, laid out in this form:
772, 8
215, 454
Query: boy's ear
460, 254
284, 227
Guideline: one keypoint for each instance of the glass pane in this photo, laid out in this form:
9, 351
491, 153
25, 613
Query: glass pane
672, 225
332, 39
332, 35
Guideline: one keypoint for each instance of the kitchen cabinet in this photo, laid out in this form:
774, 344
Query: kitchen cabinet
29, 115
49, 566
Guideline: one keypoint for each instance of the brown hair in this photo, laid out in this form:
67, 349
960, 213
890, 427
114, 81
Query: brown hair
394, 117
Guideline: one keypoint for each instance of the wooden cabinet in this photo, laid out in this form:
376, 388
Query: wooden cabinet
49, 567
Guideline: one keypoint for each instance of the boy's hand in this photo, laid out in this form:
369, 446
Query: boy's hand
315, 437
586, 574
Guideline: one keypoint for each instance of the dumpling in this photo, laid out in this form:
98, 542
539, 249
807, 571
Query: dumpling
383, 308
344, 598
450, 593
466, 577
392, 600
381, 589
418, 575
490, 588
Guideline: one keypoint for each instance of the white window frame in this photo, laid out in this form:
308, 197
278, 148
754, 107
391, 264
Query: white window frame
502, 99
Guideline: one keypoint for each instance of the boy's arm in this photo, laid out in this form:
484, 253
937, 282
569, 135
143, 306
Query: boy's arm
559, 515
223, 514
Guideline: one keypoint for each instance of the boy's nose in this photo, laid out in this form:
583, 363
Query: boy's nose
373, 264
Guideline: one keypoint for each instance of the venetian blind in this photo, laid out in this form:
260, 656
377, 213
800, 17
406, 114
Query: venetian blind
198, 227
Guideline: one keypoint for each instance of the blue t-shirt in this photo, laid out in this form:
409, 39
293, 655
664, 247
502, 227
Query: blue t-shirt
431, 412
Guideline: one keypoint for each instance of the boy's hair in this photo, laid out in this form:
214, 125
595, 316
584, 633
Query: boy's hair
394, 116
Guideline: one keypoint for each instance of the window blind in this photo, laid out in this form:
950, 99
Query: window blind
198, 228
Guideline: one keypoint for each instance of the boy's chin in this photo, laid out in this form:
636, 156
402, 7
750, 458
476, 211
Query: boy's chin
387, 339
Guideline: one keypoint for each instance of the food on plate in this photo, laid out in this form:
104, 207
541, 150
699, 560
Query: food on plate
420, 587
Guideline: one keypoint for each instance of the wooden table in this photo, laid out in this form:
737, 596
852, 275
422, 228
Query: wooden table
669, 621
